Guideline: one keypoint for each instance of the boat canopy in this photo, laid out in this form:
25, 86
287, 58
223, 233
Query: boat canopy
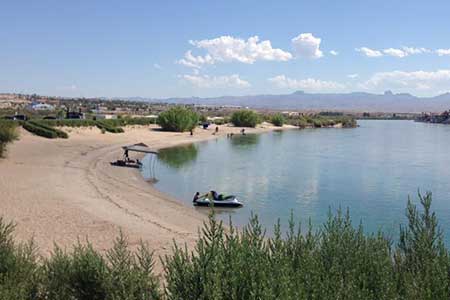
141, 147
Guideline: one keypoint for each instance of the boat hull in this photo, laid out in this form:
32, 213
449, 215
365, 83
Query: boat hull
218, 203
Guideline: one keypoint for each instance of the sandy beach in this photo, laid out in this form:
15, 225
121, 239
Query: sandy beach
58, 191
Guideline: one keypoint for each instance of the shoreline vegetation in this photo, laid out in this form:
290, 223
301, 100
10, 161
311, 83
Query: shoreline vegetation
181, 119
8, 133
442, 118
336, 261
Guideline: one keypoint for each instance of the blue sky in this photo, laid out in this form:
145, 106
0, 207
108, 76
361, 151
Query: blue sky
140, 48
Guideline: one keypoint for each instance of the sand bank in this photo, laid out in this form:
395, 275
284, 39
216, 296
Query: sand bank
58, 191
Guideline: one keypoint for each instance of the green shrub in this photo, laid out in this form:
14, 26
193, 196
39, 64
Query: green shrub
69, 122
336, 261
109, 126
59, 133
40, 131
178, 119
278, 120
19, 271
130, 276
302, 122
85, 274
219, 121
8, 133
138, 121
317, 123
245, 118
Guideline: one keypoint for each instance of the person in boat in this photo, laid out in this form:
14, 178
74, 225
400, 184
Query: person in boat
126, 158
196, 197
215, 195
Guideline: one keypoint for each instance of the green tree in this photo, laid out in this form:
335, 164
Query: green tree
278, 120
178, 119
245, 118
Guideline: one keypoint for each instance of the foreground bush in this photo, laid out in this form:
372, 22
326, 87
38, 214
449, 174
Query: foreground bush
178, 119
86, 274
335, 261
338, 261
80, 274
277, 120
8, 133
245, 118
19, 271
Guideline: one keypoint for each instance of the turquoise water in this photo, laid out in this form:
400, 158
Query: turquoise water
370, 169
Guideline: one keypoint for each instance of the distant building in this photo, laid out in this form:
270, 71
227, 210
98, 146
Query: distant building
105, 116
42, 106
290, 113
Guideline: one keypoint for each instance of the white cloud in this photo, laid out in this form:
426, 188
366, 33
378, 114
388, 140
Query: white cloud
405, 51
205, 81
412, 50
334, 52
417, 81
353, 76
306, 45
309, 84
369, 52
229, 49
395, 52
192, 61
157, 66
443, 52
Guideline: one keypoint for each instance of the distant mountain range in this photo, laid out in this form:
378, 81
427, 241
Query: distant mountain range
358, 101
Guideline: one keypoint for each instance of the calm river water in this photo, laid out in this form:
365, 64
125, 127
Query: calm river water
370, 169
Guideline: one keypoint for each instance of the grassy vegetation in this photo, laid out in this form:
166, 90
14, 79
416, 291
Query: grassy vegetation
245, 118
178, 119
278, 120
40, 131
109, 126
90, 122
336, 261
70, 123
8, 133
320, 120
59, 133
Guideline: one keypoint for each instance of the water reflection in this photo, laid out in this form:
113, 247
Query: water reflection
370, 169
247, 141
178, 157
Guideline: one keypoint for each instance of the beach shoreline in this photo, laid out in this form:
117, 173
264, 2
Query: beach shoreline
64, 190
